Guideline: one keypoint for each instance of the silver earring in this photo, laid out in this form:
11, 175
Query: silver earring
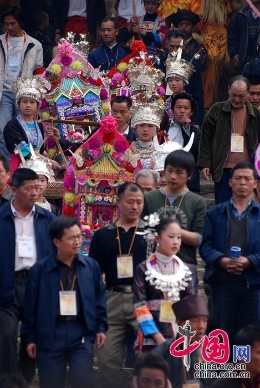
158, 244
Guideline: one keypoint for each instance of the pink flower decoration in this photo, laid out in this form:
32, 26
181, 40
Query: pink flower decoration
94, 144
161, 91
103, 94
125, 72
94, 153
70, 170
69, 182
66, 61
120, 146
109, 124
51, 143
113, 84
91, 81
44, 104
65, 48
117, 76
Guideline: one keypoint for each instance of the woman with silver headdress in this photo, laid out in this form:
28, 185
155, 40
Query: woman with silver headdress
24, 129
159, 281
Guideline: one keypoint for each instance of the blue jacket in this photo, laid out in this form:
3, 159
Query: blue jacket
42, 300
238, 36
105, 57
215, 239
44, 247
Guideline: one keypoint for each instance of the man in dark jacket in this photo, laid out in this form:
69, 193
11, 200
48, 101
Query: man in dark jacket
23, 241
65, 310
180, 130
235, 281
5, 190
70, 16
243, 36
230, 133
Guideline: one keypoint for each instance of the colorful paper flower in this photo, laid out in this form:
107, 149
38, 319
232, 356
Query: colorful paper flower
45, 115
99, 82
94, 144
65, 48
109, 124
122, 66
103, 94
55, 68
51, 153
76, 65
70, 170
108, 138
44, 104
105, 107
137, 46
120, 146
161, 91
68, 211
66, 61
68, 198
69, 182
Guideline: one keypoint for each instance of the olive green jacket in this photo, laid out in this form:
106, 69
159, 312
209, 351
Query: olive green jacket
216, 136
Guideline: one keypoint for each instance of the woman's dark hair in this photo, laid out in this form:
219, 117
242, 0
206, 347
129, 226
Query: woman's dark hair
184, 96
21, 175
248, 336
182, 159
239, 78
244, 165
164, 223
152, 361
57, 226
14, 11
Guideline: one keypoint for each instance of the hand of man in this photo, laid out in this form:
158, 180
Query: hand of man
233, 266
100, 340
245, 262
55, 165
134, 20
54, 133
236, 60
31, 350
205, 173
104, 279
137, 30
185, 121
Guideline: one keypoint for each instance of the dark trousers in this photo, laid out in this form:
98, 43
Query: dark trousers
9, 318
235, 306
223, 191
70, 346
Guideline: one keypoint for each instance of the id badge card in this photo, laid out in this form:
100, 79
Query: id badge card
237, 143
125, 267
68, 305
166, 312
191, 384
14, 63
25, 247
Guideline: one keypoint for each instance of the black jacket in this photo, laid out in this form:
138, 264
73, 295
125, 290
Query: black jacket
96, 12
194, 183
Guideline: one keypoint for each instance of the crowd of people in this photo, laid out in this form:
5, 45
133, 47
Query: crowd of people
127, 300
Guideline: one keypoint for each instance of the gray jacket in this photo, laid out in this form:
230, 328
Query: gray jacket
32, 58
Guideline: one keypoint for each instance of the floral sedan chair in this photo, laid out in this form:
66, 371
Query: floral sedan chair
76, 91
103, 163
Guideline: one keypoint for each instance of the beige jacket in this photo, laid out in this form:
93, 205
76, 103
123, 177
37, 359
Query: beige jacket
32, 58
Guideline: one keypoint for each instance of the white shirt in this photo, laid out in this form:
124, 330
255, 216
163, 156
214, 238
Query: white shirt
125, 9
175, 133
14, 60
126, 131
24, 227
77, 8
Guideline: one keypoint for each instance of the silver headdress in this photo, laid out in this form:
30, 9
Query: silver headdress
38, 164
178, 67
144, 80
31, 87
149, 113
163, 150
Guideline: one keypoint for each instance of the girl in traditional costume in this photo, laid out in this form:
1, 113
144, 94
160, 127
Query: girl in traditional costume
24, 130
159, 281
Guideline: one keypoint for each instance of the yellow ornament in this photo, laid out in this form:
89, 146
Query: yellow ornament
68, 198
160, 101
51, 153
105, 107
76, 65
45, 115
55, 68
122, 66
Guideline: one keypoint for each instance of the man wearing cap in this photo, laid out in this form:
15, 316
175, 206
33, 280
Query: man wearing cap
192, 308
186, 21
